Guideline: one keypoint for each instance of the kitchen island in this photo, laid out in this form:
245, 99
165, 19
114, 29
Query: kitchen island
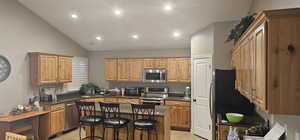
162, 116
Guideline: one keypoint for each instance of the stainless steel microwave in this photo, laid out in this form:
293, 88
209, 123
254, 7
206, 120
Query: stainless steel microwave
155, 75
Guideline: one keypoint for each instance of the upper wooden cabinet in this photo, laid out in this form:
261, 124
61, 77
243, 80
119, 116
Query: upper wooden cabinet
123, 70
50, 68
111, 69
132, 69
267, 63
155, 63
179, 70
136, 70
65, 69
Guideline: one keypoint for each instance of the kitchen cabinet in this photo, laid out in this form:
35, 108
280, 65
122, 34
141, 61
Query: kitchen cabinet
223, 130
50, 68
136, 70
65, 69
132, 69
54, 122
179, 70
123, 70
172, 70
155, 63
180, 114
57, 121
266, 62
111, 69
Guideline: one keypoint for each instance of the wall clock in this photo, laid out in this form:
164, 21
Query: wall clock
5, 68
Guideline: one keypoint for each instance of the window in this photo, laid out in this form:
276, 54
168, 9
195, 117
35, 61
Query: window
79, 74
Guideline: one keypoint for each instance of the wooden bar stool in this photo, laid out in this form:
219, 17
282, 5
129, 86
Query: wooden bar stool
13, 136
143, 119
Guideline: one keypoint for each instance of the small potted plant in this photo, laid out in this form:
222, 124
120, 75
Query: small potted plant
88, 88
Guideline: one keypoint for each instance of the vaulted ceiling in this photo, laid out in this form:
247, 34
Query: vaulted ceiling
150, 20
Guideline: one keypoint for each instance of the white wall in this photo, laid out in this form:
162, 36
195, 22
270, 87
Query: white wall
259, 5
211, 42
202, 42
292, 122
97, 66
21, 32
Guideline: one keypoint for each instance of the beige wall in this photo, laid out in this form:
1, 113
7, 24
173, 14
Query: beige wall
292, 122
259, 5
97, 66
22, 32
211, 42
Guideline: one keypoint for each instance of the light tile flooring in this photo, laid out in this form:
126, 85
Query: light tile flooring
175, 135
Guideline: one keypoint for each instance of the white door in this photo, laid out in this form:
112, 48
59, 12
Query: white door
201, 82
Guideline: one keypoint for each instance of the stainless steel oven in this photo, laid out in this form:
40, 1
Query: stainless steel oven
155, 75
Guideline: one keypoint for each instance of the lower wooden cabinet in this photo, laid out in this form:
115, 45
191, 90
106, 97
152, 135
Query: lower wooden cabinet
54, 122
223, 130
180, 114
57, 119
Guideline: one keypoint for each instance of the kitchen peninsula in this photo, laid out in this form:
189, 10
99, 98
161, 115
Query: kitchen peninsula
162, 116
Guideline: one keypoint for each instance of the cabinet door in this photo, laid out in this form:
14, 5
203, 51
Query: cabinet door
65, 69
259, 92
245, 68
172, 70
57, 121
136, 70
111, 68
123, 70
184, 117
161, 63
238, 69
184, 70
48, 69
149, 63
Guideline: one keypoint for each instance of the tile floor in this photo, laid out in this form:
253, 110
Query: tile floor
175, 135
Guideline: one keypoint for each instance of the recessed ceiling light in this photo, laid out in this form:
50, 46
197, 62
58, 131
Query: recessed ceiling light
74, 16
176, 34
168, 7
99, 38
118, 12
135, 36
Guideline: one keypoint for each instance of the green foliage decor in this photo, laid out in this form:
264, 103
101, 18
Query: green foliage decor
240, 28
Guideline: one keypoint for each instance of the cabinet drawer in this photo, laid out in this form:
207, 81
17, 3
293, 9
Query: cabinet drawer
178, 103
57, 107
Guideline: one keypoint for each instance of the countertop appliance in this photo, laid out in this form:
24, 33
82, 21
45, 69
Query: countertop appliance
133, 91
71, 116
155, 75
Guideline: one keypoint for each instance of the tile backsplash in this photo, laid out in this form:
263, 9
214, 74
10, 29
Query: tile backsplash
173, 87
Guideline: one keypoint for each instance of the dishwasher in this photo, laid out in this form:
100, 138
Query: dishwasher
71, 116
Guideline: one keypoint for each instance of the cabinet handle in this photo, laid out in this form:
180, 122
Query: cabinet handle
291, 48
194, 100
